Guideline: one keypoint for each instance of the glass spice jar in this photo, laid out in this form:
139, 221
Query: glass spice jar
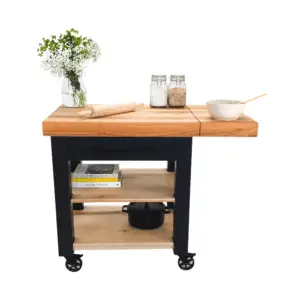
158, 91
177, 91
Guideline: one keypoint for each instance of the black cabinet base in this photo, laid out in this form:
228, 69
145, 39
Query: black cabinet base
67, 152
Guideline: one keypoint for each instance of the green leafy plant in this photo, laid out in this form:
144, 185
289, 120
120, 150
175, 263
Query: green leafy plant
67, 55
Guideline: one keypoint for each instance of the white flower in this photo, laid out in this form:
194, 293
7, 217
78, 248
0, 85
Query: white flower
71, 60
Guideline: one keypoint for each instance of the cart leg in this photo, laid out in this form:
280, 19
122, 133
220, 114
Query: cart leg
182, 205
171, 168
76, 206
62, 186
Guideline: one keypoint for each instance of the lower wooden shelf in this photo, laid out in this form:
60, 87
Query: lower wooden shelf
106, 227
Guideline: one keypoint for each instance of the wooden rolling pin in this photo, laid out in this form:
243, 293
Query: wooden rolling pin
100, 110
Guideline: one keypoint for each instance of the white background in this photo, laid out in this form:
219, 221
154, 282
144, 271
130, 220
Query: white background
244, 225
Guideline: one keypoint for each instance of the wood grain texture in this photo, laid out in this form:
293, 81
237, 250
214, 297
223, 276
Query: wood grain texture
145, 122
107, 227
243, 127
139, 185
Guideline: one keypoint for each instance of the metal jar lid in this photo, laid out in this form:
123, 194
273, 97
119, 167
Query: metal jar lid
180, 78
159, 78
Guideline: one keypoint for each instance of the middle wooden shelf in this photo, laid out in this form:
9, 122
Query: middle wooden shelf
138, 185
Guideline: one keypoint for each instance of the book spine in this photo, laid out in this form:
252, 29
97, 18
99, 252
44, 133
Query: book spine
96, 185
90, 180
78, 175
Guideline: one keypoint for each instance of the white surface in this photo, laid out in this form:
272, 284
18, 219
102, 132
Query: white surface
225, 110
245, 196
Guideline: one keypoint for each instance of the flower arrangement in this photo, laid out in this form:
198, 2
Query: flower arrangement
68, 55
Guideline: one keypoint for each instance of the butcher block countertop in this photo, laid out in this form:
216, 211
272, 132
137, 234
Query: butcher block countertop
190, 121
244, 126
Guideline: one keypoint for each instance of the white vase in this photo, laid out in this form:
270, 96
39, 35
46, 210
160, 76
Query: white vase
73, 93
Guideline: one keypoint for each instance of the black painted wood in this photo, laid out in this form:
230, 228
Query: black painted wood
123, 148
67, 151
62, 186
74, 164
171, 166
182, 198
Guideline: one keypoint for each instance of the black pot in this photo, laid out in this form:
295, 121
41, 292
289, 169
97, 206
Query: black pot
145, 215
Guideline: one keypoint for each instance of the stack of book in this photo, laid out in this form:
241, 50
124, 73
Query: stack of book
97, 176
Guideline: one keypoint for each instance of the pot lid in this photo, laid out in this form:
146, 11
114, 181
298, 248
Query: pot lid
142, 206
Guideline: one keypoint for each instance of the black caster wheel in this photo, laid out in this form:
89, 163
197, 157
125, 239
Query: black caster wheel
186, 263
74, 263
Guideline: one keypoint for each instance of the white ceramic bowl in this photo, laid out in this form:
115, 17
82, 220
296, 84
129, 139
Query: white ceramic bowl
225, 110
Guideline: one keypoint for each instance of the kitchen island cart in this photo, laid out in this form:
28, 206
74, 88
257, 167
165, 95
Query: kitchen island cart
147, 134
